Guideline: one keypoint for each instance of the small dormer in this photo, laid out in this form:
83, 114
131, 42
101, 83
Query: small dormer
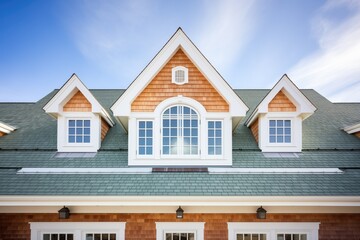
353, 129
276, 123
82, 121
6, 129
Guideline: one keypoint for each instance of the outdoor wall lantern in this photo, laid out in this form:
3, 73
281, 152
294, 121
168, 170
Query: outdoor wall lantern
261, 213
179, 213
64, 213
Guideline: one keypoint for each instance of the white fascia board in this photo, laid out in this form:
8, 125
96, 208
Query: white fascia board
122, 106
6, 128
85, 171
353, 128
67, 91
280, 201
274, 170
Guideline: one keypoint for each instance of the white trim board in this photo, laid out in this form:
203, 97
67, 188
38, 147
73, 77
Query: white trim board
345, 201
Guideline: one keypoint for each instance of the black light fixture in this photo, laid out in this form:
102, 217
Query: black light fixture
64, 213
261, 213
179, 213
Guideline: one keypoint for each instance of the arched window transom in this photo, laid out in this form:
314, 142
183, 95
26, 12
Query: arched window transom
180, 131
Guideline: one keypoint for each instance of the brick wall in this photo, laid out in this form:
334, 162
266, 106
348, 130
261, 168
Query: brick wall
142, 226
161, 88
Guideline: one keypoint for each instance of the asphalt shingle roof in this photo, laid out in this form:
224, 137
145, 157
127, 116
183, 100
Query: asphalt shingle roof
325, 144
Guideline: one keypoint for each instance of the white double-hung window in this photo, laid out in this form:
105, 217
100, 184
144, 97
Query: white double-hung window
180, 131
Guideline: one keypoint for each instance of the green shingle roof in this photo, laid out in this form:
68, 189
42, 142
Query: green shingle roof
325, 145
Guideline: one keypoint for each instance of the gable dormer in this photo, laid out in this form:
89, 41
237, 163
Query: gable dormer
179, 110
276, 123
6, 129
82, 122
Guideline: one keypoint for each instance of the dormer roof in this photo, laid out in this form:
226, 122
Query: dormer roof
304, 107
122, 107
74, 85
6, 128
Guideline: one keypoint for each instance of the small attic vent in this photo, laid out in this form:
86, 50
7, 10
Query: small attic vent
179, 75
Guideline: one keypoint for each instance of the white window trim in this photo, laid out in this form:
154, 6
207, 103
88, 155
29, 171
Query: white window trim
296, 132
62, 132
203, 160
186, 75
79, 229
272, 229
276, 144
196, 227
150, 156
222, 138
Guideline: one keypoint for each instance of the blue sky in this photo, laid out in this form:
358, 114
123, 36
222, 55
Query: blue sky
252, 43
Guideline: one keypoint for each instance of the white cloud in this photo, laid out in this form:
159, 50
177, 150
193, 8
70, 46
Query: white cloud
334, 68
107, 33
226, 28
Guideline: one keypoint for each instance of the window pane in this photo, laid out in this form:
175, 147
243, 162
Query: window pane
287, 236
255, 237
211, 133
247, 237
191, 236
70, 236
89, 236
62, 237
168, 236
78, 139
262, 236
86, 123
280, 139
86, 139
183, 236
97, 237
272, 123
166, 150
296, 237
239, 237
71, 139
54, 237
46, 237
142, 150
218, 124
287, 130
71, 130
272, 131
175, 236
86, 130
71, 123
303, 237
279, 123
287, 139
211, 124
105, 236
149, 150
280, 131
166, 123
280, 237
186, 110
79, 123
287, 123
272, 139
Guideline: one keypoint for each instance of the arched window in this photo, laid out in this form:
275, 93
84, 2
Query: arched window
180, 131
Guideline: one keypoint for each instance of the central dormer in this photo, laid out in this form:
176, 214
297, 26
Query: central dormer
179, 111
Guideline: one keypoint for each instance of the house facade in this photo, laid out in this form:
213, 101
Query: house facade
180, 155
